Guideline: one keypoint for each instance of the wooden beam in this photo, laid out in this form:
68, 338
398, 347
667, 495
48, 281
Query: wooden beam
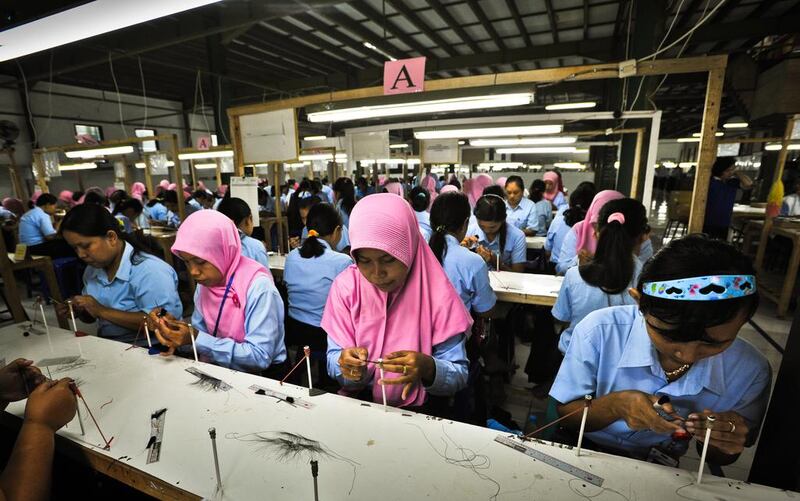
178, 177
708, 150
16, 182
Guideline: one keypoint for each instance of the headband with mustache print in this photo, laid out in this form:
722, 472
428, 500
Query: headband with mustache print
706, 288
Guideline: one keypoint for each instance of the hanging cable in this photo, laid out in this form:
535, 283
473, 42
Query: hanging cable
119, 97
144, 92
203, 103
28, 104
219, 108
688, 33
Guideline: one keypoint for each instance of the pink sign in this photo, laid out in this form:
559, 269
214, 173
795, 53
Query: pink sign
203, 143
404, 76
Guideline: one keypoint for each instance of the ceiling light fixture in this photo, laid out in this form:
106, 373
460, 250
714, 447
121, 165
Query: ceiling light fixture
315, 138
99, 152
735, 125
419, 107
570, 106
398, 146
516, 130
718, 134
205, 166
379, 51
206, 154
551, 149
778, 146
170, 163
340, 157
688, 139
569, 165
83, 166
522, 141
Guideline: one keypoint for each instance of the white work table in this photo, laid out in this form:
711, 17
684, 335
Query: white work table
535, 242
366, 452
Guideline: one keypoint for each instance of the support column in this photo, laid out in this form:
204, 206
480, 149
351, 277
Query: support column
220, 91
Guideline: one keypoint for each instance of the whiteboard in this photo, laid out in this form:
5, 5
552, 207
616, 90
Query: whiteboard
371, 145
246, 188
269, 137
365, 451
440, 151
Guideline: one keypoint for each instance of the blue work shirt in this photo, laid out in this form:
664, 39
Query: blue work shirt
424, 222
254, 249
611, 352
263, 324
343, 213
194, 203
576, 299
344, 242
568, 255
559, 201
469, 276
555, 235
158, 212
142, 285
309, 280
327, 193
544, 215
721, 197
523, 216
515, 249
449, 357
34, 225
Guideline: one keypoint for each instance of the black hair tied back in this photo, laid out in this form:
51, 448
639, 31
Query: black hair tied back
322, 221
448, 215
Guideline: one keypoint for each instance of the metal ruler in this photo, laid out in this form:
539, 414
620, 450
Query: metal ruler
156, 435
550, 460
282, 396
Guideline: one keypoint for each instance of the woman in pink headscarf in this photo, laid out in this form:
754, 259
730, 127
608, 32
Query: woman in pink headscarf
65, 200
474, 187
396, 305
581, 242
137, 191
448, 188
554, 191
429, 183
395, 188
501, 181
238, 312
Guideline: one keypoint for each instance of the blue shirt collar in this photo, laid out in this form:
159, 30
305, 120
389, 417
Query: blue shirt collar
639, 351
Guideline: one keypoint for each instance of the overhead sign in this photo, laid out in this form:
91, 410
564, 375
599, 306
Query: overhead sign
203, 143
404, 76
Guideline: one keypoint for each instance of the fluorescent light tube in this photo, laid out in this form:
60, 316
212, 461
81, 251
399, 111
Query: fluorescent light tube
87, 20
205, 166
340, 157
569, 165
516, 130
382, 53
398, 146
735, 125
523, 141
570, 106
99, 152
140, 165
415, 108
315, 138
83, 166
688, 139
718, 134
545, 149
206, 154
500, 164
777, 147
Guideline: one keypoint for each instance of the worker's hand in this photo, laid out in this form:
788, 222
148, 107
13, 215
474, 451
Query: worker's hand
18, 379
636, 409
153, 319
486, 254
353, 362
470, 242
413, 366
87, 304
172, 334
294, 242
728, 433
51, 404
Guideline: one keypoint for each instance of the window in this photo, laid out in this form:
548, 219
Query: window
147, 146
93, 131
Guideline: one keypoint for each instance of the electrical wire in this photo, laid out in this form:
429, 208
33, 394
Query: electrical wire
144, 92
119, 97
675, 42
219, 108
202, 102
28, 103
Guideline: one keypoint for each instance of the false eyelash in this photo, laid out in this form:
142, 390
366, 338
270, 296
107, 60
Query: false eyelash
207, 382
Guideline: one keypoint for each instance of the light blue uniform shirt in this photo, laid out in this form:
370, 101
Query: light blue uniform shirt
568, 255
34, 225
544, 215
424, 222
515, 248
468, 274
327, 191
576, 299
148, 284
791, 205
611, 352
158, 212
345, 215
6, 214
254, 249
263, 324
555, 235
309, 281
194, 203
344, 242
523, 216
450, 358
559, 201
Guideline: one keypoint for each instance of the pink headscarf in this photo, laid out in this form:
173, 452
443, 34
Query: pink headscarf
66, 197
137, 190
474, 187
172, 187
448, 188
14, 205
212, 236
553, 177
395, 188
501, 181
425, 312
109, 190
429, 183
584, 229
35, 196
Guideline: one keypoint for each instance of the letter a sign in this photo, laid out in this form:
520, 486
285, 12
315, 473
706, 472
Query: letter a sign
404, 76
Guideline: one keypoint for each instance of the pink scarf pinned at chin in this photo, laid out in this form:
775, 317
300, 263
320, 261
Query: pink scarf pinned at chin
557, 188
586, 237
212, 236
425, 312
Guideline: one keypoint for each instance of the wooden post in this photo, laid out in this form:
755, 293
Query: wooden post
16, 182
375, 177
148, 179
236, 135
708, 149
762, 243
194, 174
40, 178
218, 171
178, 178
637, 161
277, 182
